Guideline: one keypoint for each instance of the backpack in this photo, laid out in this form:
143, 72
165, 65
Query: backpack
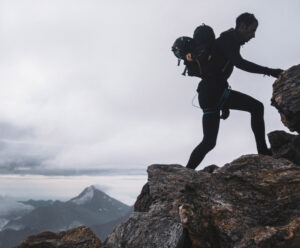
200, 48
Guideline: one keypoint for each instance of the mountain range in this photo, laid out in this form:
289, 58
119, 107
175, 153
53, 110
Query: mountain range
91, 207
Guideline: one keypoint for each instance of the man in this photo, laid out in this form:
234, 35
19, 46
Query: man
215, 96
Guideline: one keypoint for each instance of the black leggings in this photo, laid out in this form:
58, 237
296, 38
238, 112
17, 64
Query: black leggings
211, 122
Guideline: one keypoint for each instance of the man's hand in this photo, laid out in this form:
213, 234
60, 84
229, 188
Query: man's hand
275, 72
225, 113
189, 57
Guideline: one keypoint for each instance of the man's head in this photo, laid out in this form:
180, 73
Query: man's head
246, 25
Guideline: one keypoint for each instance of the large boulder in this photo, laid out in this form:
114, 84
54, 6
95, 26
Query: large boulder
79, 237
285, 145
252, 202
286, 97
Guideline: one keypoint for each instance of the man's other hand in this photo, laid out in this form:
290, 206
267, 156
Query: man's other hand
225, 113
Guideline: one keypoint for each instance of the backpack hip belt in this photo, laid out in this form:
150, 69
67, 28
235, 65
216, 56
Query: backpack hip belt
222, 101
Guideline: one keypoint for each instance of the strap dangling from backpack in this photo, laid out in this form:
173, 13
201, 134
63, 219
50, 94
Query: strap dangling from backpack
185, 70
199, 66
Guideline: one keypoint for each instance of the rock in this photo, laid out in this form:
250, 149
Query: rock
286, 97
210, 168
147, 230
285, 145
78, 237
151, 226
252, 202
144, 200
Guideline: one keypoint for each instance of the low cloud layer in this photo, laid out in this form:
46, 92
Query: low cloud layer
9, 207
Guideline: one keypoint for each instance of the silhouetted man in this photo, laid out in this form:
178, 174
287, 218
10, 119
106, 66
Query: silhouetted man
214, 95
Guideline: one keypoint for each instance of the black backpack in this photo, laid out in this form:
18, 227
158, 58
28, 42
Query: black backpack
199, 46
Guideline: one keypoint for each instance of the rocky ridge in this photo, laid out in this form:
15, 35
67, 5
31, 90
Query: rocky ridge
252, 202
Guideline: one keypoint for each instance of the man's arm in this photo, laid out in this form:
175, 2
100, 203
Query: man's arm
248, 66
232, 52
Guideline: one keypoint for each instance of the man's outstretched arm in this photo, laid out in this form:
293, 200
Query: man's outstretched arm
235, 57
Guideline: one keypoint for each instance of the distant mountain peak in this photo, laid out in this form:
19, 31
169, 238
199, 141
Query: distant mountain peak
92, 187
85, 196
96, 200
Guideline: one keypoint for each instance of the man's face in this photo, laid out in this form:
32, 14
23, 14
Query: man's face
247, 32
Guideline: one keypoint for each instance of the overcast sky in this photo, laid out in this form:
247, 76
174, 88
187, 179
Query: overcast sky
93, 85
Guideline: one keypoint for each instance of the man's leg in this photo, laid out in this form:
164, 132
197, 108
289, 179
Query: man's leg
240, 101
210, 123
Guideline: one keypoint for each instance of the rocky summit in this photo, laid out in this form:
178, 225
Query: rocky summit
252, 202
286, 97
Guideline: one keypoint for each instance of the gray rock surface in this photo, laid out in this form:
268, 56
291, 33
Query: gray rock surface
286, 97
147, 230
252, 202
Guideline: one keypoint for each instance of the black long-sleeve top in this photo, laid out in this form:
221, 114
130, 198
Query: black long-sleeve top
225, 55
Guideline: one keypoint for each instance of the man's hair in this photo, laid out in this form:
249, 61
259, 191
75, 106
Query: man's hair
246, 18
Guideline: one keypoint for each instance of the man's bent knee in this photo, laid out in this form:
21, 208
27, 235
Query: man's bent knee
258, 109
209, 144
